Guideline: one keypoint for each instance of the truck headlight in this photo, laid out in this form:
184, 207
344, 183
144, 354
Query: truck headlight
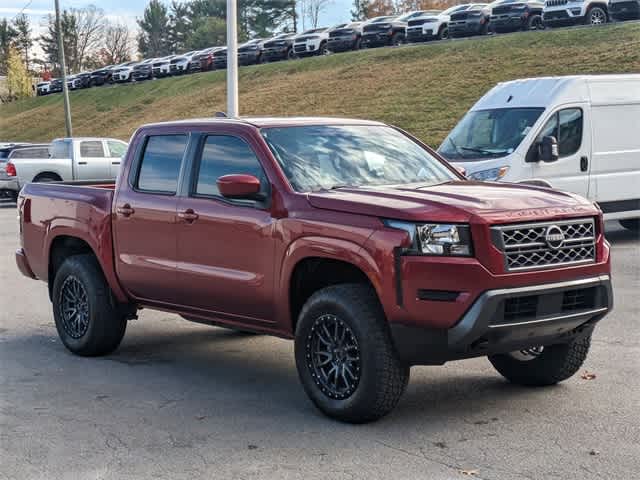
490, 175
436, 238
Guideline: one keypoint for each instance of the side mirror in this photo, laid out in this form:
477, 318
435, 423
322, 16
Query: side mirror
239, 186
549, 149
461, 170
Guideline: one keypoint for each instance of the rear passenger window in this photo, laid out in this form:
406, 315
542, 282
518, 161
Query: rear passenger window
91, 149
225, 155
160, 164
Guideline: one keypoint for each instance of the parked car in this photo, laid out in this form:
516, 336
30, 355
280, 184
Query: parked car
250, 53
5, 150
43, 88
624, 9
558, 13
161, 67
432, 25
219, 59
311, 42
9, 184
346, 37
55, 86
76, 82
577, 134
124, 72
512, 15
203, 61
471, 21
101, 76
143, 70
179, 65
381, 31
279, 47
380, 255
78, 158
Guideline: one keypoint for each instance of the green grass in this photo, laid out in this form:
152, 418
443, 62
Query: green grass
424, 89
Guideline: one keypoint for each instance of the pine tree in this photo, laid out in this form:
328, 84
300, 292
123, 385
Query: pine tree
49, 40
23, 41
153, 39
7, 36
179, 26
360, 10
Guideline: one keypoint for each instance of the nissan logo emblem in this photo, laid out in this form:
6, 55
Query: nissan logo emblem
554, 237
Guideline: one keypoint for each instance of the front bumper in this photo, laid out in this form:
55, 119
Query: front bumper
507, 22
248, 58
376, 39
418, 35
23, 264
341, 44
465, 28
562, 17
509, 319
275, 53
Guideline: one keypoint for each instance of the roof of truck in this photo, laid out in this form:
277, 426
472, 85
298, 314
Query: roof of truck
260, 122
545, 91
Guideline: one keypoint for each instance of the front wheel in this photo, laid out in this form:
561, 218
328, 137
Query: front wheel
535, 23
540, 366
345, 358
596, 16
443, 33
87, 320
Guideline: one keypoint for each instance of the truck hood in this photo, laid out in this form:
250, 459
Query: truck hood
460, 201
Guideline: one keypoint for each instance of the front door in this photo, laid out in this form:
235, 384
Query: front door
571, 171
91, 161
225, 247
145, 220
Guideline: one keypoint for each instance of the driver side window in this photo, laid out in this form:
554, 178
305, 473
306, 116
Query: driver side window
566, 126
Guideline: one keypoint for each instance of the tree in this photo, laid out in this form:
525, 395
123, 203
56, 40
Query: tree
7, 36
209, 32
23, 40
360, 10
117, 44
312, 10
179, 26
18, 79
381, 7
49, 40
88, 34
154, 25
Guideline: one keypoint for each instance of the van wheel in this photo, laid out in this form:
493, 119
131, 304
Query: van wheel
596, 16
632, 224
345, 358
540, 366
86, 317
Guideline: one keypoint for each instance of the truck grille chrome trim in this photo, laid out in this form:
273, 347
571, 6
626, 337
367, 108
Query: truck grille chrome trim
546, 244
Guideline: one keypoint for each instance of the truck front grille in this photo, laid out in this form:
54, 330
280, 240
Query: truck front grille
555, 3
546, 245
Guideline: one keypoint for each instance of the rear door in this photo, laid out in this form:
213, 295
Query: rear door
116, 151
91, 161
145, 218
570, 127
225, 247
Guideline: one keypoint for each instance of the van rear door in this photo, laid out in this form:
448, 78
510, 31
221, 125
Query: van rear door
571, 127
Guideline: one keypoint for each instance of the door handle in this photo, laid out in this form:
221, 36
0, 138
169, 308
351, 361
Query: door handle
115, 163
188, 215
125, 210
82, 163
584, 164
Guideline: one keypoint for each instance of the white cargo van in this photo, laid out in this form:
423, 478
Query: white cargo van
578, 133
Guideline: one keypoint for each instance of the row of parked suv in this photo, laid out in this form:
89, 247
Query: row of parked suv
417, 26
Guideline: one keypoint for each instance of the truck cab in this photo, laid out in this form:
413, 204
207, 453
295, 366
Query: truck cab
576, 134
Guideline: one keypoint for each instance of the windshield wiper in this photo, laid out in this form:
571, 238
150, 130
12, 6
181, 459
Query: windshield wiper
481, 150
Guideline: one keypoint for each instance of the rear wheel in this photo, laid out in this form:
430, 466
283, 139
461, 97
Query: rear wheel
87, 320
345, 358
396, 39
632, 224
539, 366
47, 177
534, 23
324, 50
443, 33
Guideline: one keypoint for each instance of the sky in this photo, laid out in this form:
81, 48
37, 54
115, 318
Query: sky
128, 10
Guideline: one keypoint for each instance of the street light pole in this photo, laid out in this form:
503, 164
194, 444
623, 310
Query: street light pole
63, 67
232, 58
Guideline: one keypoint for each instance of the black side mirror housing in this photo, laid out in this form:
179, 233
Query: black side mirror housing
548, 149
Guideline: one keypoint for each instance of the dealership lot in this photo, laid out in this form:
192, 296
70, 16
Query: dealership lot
179, 400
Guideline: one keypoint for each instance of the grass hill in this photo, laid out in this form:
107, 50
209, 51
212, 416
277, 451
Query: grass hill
424, 89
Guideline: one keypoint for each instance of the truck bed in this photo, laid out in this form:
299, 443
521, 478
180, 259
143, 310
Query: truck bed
51, 211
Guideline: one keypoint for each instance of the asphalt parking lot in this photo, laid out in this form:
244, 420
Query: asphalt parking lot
180, 400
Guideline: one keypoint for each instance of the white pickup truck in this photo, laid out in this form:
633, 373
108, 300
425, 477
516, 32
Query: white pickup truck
68, 159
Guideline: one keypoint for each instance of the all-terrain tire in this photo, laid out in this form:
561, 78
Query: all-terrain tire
554, 364
632, 224
105, 325
382, 376
596, 16
534, 22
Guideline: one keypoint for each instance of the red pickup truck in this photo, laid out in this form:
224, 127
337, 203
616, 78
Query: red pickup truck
349, 236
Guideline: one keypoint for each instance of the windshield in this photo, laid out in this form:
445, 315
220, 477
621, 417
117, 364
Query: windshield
332, 156
381, 19
456, 8
489, 133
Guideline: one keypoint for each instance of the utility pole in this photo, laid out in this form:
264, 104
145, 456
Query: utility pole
232, 58
63, 67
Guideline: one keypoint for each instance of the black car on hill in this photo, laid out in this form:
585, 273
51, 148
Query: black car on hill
512, 15
387, 30
101, 77
473, 21
279, 47
347, 37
